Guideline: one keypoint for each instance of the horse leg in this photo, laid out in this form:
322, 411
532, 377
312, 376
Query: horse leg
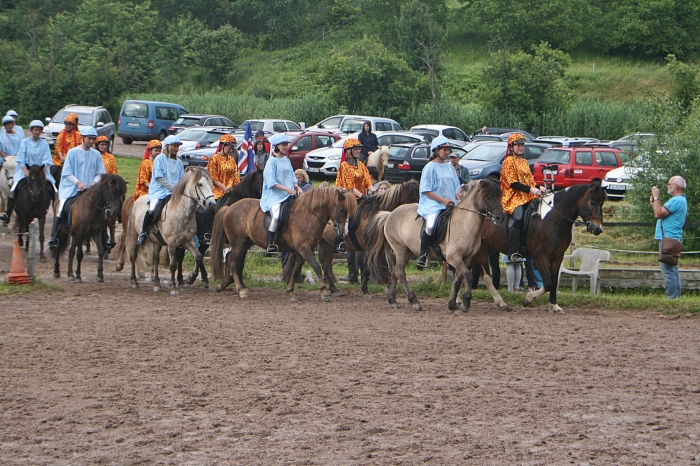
87, 245
78, 277
325, 255
199, 261
462, 272
71, 255
456, 285
133, 257
156, 259
101, 253
391, 290
42, 254
205, 278
296, 268
236, 261
365, 275
307, 253
173, 253
400, 270
179, 257
228, 258
553, 274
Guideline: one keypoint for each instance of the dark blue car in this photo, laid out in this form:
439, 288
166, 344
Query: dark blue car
486, 159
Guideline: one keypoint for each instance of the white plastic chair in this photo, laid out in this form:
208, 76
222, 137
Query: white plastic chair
590, 266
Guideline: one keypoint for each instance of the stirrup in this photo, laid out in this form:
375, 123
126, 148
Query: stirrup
516, 257
4, 218
52, 242
341, 248
272, 250
143, 237
422, 261
207, 239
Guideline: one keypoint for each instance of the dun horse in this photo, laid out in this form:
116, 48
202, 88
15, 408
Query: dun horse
549, 237
33, 197
7, 174
88, 217
394, 238
176, 224
242, 225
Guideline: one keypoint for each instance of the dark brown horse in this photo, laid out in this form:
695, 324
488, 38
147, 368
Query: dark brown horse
88, 217
404, 193
33, 197
241, 225
549, 237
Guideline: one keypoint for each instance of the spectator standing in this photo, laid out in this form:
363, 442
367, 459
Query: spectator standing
260, 136
462, 172
261, 154
302, 180
368, 140
382, 186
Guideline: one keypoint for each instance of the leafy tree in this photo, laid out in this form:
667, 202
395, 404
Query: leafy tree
215, 51
369, 78
686, 82
526, 85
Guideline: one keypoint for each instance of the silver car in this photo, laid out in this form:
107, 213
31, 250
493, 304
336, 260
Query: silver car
97, 117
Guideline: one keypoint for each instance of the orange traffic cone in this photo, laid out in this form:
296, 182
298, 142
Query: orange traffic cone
18, 275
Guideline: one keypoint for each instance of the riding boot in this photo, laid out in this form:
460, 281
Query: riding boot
53, 241
10, 206
513, 245
147, 220
272, 249
424, 244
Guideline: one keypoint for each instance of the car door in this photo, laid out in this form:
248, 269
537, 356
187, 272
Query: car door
605, 161
419, 159
299, 149
279, 126
584, 170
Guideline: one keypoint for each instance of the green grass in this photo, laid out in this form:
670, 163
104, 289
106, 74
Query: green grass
35, 285
128, 168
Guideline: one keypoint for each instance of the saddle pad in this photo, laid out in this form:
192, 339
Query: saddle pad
441, 224
159, 207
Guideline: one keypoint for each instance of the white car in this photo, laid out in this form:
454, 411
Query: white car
271, 125
453, 134
617, 181
325, 162
347, 124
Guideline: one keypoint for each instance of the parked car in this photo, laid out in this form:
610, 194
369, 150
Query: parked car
576, 165
406, 161
307, 141
197, 119
200, 157
617, 181
271, 125
492, 131
326, 162
97, 117
452, 133
142, 120
197, 138
355, 124
486, 160
566, 141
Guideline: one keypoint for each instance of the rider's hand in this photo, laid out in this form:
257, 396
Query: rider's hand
80, 186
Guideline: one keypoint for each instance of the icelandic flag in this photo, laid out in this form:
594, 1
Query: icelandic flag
246, 157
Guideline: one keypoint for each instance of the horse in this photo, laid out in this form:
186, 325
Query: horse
88, 217
379, 159
404, 193
250, 187
33, 197
242, 226
549, 236
176, 224
7, 174
394, 238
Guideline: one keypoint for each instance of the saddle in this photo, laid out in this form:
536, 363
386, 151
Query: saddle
440, 230
156, 215
285, 210
532, 209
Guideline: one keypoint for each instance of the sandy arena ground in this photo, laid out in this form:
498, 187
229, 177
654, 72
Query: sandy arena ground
101, 373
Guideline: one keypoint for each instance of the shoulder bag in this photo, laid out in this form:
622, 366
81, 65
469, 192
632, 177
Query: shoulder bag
670, 249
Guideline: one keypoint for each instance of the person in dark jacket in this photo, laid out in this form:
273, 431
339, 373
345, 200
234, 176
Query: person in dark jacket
368, 140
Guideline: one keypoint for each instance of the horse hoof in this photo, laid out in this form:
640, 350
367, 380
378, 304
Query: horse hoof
71, 279
367, 296
463, 308
506, 308
526, 302
417, 307
294, 299
78, 280
42, 259
56, 275
119, 268
174, 292
219, 289
156, 289
100, 280
135, 286
395, 306
338, 294
451, 305
458, 313
205, 285
142, 275
325, 298
190, 279
243, 294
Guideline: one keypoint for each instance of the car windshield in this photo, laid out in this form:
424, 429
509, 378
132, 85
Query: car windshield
398, 152
191, 135
352, 125
554, 156
339, 143
84, 119
254, 125
487, 153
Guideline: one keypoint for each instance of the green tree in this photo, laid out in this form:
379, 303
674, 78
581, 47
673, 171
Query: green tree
369, 78
526, 85
216, 50
686, 82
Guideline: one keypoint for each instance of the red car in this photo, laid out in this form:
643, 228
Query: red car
306, 142
576, 165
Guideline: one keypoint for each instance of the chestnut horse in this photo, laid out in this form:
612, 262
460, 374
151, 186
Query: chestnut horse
549, 237
88, 217
394, 238
241, 226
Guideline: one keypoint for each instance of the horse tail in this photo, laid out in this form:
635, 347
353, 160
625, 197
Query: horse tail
63, 240
216, 247
288, 266
378, 247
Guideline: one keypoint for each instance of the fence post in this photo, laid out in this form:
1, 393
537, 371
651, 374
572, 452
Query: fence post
31, 256
572, 246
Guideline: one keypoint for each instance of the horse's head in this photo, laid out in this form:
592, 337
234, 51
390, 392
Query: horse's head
204, 191
196, 185
384, 155
115, 194
590, 207
36, 181
490, 199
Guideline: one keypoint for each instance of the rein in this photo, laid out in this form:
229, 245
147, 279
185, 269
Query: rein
488, 214
575, 221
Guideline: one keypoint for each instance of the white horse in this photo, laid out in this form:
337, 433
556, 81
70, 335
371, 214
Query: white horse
379, 159
177, 225
7, 174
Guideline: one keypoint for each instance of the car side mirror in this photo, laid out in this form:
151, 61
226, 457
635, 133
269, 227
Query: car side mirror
47, 119
100, 124
320, 125
295, 148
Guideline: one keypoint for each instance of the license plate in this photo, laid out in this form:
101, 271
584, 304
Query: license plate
548, 172
314, 170
391, 165
133, 124
185, 163
617, 187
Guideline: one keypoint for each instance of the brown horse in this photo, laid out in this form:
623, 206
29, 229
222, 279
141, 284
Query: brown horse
241, 225
33, 197
404, 193
549, 237
88, 217
394, 238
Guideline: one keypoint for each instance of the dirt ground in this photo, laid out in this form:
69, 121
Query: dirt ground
101, 373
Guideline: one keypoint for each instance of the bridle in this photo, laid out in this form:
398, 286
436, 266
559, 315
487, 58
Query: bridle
485, 212
587, 223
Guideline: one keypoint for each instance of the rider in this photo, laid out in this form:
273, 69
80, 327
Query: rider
439, 188
82, 168
143, 180
368, 140
518, 186
10, 138
32, 151
279, 183
223, 168
102, 144
68, 138
167, 171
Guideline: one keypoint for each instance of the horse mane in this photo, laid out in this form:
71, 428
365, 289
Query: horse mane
577, 191
317, 198
249, 187
467, 190
397, 195
192, 176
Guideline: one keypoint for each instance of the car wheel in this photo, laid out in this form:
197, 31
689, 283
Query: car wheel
127, 141
162, 135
